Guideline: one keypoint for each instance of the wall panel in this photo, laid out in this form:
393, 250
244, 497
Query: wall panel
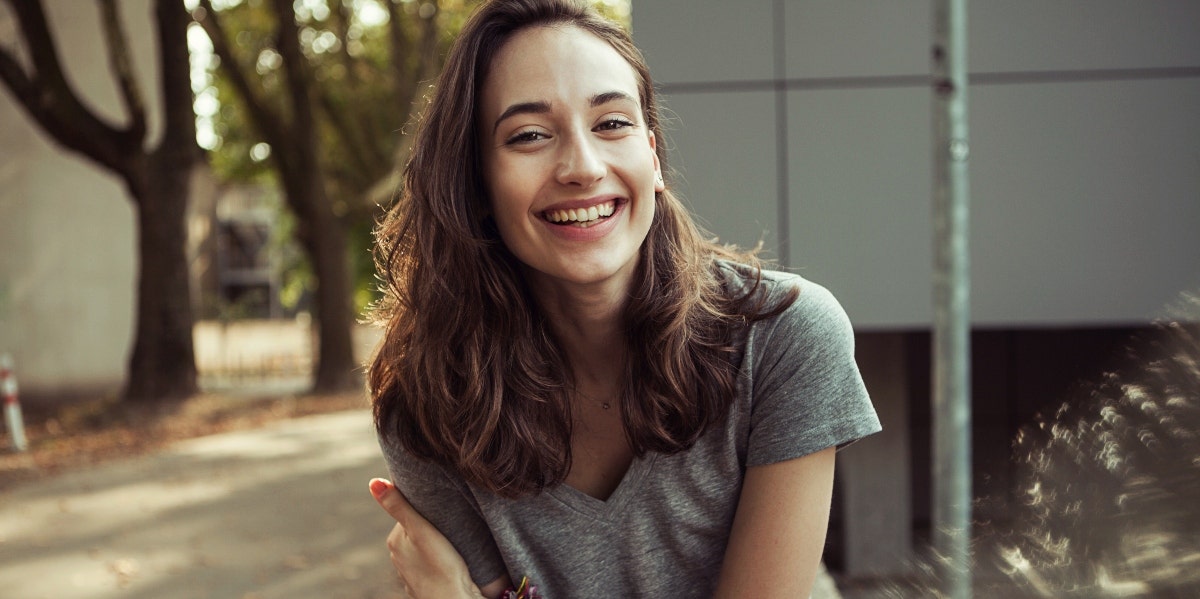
732, 184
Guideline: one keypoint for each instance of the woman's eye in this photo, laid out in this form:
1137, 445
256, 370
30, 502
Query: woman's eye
613, 124
525, 137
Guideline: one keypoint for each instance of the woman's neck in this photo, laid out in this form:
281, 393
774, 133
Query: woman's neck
588, 321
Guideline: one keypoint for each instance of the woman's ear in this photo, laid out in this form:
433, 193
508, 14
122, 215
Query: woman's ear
659, 185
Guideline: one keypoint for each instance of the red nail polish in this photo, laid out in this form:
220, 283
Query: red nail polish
378, 487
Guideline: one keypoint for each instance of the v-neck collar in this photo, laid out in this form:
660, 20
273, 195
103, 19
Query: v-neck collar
607, 510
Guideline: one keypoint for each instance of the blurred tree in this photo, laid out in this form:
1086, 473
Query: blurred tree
328, 88
162, 364
316, 94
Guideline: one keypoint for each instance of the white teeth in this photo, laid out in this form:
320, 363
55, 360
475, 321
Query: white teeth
581, 215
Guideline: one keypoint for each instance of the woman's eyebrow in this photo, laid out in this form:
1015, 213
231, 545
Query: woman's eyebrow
605, 97
521, 108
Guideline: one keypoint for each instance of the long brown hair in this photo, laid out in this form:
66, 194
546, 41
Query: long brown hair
468, 373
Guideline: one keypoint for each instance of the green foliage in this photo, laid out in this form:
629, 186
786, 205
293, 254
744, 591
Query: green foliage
297, 279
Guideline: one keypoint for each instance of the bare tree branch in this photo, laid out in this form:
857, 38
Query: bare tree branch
424, 69
342, 15
400, 46
119, 60
13, 75
32, 20
179, 116
409, 75
353, 127
373, 154
298, 81
269, 123
50, 100
357, 147
382, 192
427, 65
411, 71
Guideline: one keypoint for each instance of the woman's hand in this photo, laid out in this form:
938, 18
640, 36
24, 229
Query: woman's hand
428, 565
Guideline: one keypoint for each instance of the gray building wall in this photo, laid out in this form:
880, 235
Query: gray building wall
807, 123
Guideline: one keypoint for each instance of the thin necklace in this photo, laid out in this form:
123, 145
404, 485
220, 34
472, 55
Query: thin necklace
603, 404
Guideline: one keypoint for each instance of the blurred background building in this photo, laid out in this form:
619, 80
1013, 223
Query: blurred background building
807, 124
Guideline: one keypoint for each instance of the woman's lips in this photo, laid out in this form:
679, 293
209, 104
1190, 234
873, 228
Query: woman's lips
575, 228
581, 216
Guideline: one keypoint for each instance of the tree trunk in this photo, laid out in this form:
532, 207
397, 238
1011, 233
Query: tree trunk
162, 366
327, 250
323, 234
294, 142
323, 237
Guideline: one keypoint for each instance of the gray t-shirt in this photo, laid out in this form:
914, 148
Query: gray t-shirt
663, 531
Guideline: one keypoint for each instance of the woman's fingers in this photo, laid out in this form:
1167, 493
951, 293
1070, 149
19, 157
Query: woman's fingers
390, 499
411, 527
428, 565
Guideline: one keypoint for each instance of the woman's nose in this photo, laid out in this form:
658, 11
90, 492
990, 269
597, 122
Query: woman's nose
579, 162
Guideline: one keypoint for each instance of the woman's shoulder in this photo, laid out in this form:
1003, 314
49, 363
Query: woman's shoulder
812, 300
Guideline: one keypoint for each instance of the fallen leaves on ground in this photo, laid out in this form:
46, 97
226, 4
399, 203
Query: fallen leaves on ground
91, 431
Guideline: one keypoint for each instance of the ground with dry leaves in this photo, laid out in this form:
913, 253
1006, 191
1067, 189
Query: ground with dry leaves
92, 431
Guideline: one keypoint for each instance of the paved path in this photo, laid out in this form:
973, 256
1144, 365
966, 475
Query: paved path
279, 512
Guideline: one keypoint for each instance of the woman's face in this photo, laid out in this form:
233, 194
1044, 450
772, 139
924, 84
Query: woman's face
568, 161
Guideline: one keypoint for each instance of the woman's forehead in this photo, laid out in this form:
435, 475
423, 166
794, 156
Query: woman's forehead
558, 62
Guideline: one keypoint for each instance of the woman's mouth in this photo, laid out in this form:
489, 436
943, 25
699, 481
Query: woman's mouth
581, 217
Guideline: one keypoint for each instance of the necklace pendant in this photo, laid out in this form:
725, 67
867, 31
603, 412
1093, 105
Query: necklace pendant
604, 405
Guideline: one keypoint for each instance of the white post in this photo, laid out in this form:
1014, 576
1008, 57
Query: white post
12, 406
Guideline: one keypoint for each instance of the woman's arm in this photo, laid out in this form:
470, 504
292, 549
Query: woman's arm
774, 547
779, 530
428, 565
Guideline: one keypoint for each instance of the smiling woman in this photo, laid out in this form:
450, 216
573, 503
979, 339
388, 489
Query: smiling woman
576, 388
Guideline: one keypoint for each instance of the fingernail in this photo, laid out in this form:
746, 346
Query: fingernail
378, 487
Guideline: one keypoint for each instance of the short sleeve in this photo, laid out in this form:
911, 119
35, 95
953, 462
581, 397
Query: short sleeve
449, 505
808, 394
